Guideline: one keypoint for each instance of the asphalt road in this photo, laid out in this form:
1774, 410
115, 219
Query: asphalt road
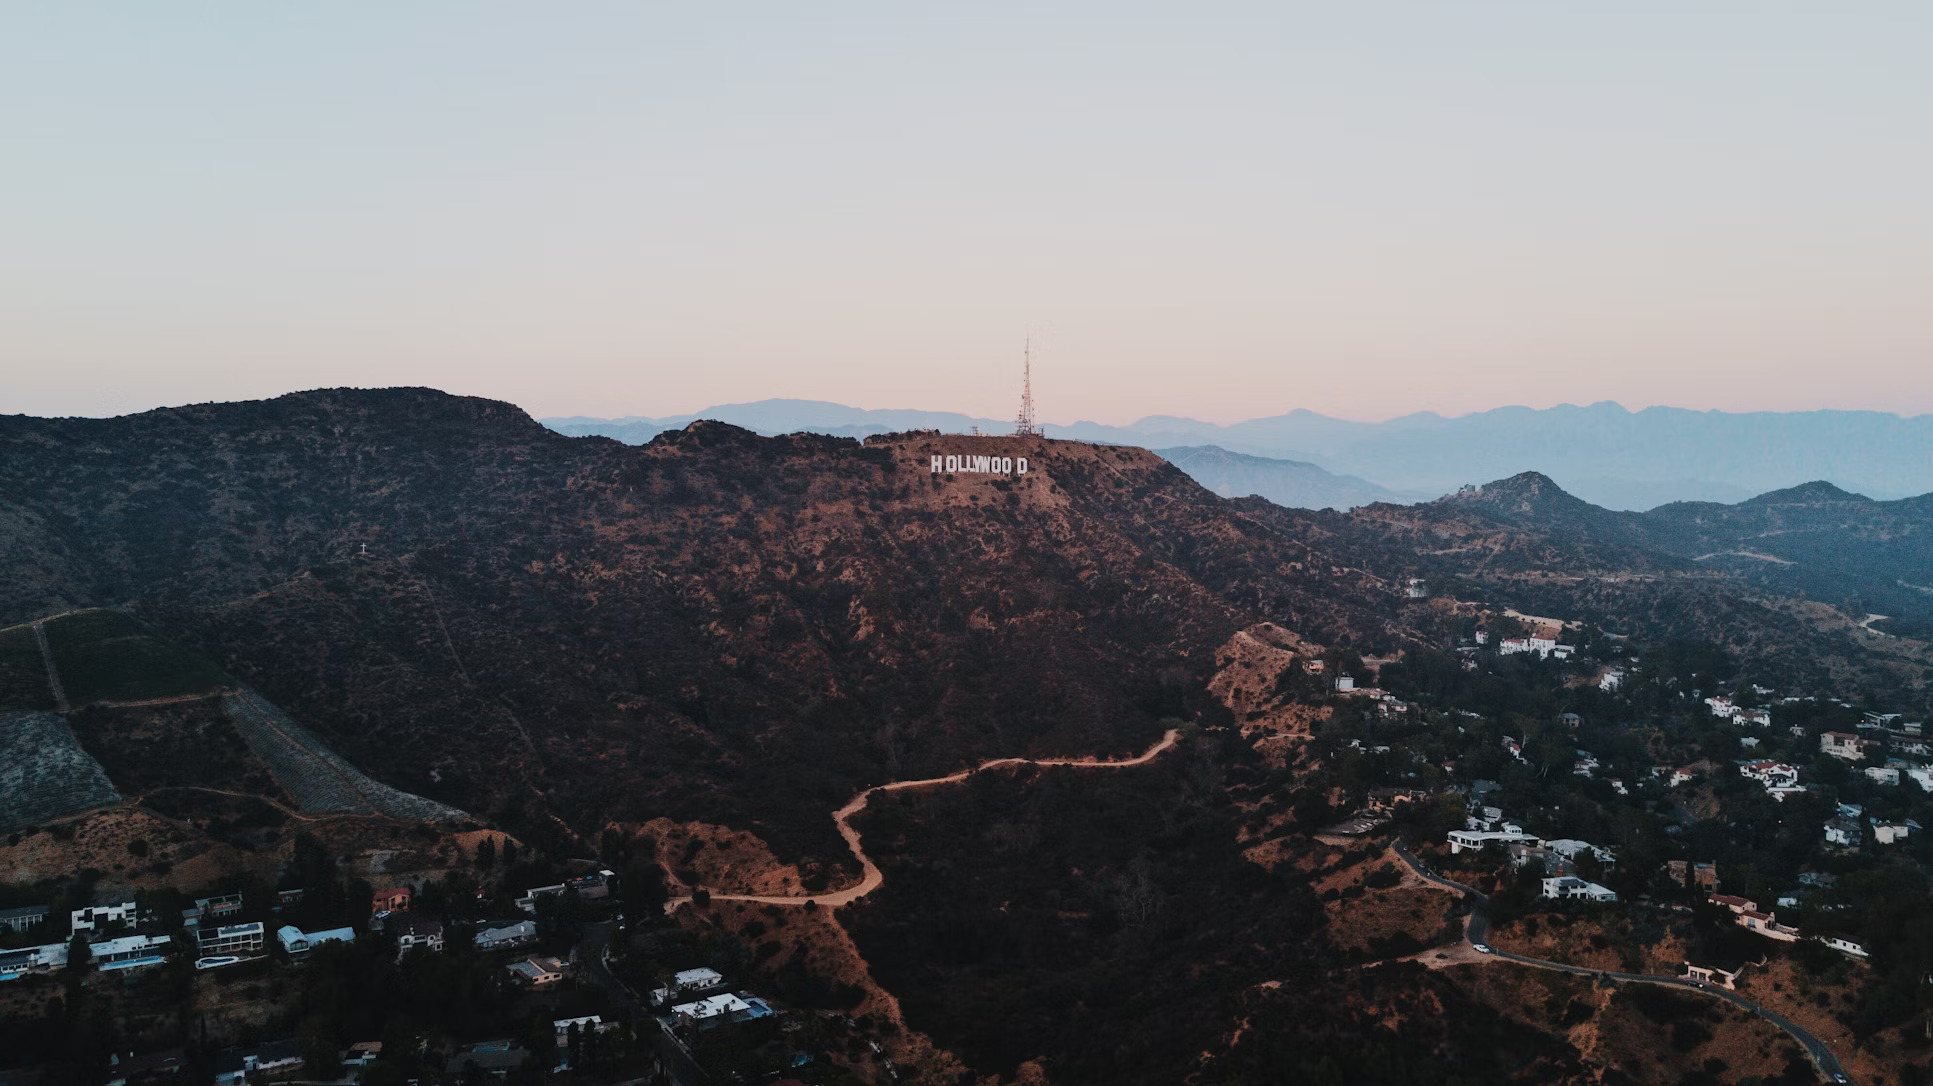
1478, 927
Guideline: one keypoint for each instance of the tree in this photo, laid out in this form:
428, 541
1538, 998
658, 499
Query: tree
320, 1057
486, 853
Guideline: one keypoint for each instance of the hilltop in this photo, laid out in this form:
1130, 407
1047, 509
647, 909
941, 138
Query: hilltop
715, 626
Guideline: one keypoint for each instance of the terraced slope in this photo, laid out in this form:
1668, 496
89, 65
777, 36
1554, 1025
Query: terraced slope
44, 771
319, 780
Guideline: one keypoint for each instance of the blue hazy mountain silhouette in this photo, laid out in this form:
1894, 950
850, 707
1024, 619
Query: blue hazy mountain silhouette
1603, 453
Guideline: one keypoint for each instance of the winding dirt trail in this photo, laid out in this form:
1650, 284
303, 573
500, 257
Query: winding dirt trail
871, 876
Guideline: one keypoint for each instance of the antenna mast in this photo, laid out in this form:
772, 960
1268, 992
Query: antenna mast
1025, 426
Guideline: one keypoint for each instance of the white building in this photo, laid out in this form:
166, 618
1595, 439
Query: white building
1888, 832
1842, 832
1883, 774
690, 980
1721, 706
1611, 679
712, 1010
232, 939
94, 917
1843, 745
1568, 886
1845, 946
1571, 849
1345, 683
1460, 840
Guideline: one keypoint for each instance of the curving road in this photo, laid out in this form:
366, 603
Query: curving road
871, 876
1478, 925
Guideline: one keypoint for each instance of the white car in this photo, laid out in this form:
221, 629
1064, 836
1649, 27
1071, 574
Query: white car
1481, 948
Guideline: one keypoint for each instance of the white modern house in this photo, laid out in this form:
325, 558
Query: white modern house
1566, 887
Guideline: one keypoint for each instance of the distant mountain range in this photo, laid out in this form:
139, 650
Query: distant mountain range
1293, 483
1603, 453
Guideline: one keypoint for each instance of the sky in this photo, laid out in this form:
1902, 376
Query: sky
1214, 210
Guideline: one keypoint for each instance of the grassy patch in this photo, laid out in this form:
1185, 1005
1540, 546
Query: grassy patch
108, 656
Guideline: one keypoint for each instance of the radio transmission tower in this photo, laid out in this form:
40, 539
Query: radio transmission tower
1025, 426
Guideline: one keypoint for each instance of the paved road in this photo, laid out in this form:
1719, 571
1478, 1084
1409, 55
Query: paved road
1478, 926
870, 875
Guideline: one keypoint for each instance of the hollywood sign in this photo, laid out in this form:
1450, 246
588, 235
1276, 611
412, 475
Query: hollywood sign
982, 465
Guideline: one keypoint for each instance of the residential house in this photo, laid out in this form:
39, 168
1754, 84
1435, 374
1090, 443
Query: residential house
412, 930
1460, 840
1345, 683
1767, 924
1845, 946
1611, 679
593, 886
1721, 706
713, 1011
32, 959
590, 1023
218, 908
1708, 974
1568, 886
539, 972
1756, 718
95, 917
1705, 876
1883, 774
1571, 849
391, 901
1844, 745
1843, 832
1677, 870
297, 943
277, 1059
1887, 833
1552, 863
690, 980
518, 934
232, 939
131, 952
528, 902
23, 918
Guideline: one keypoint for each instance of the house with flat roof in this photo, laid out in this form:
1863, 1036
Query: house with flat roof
233, 939
539, 972
276, 1059
1568, 887
23, 918
713, 1011
93, 918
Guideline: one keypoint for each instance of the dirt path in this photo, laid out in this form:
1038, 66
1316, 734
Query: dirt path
53, 673
871, 876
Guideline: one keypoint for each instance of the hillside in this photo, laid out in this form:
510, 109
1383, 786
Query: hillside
715, 626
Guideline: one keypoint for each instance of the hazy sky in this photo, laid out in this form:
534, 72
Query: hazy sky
1220, 210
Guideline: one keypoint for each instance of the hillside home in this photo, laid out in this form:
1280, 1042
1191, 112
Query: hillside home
94, 917
1513, 748
391, 901
713, 1011
690, 980
411, 930
232, 939
1571, 849
539, 972
1842, 832
32, 959
528, 902
1845, 946
523, 931
1770, 774
1706, 974
1923, 776
1565, 887
1883, 774
1844, 745
1887, 833
1611, 679
1461, 840
23, 918
1345, 683
1721, 706
297, 943
218, 908
1767, 925
593, 886
1755, 718
131, 951
1522, 856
